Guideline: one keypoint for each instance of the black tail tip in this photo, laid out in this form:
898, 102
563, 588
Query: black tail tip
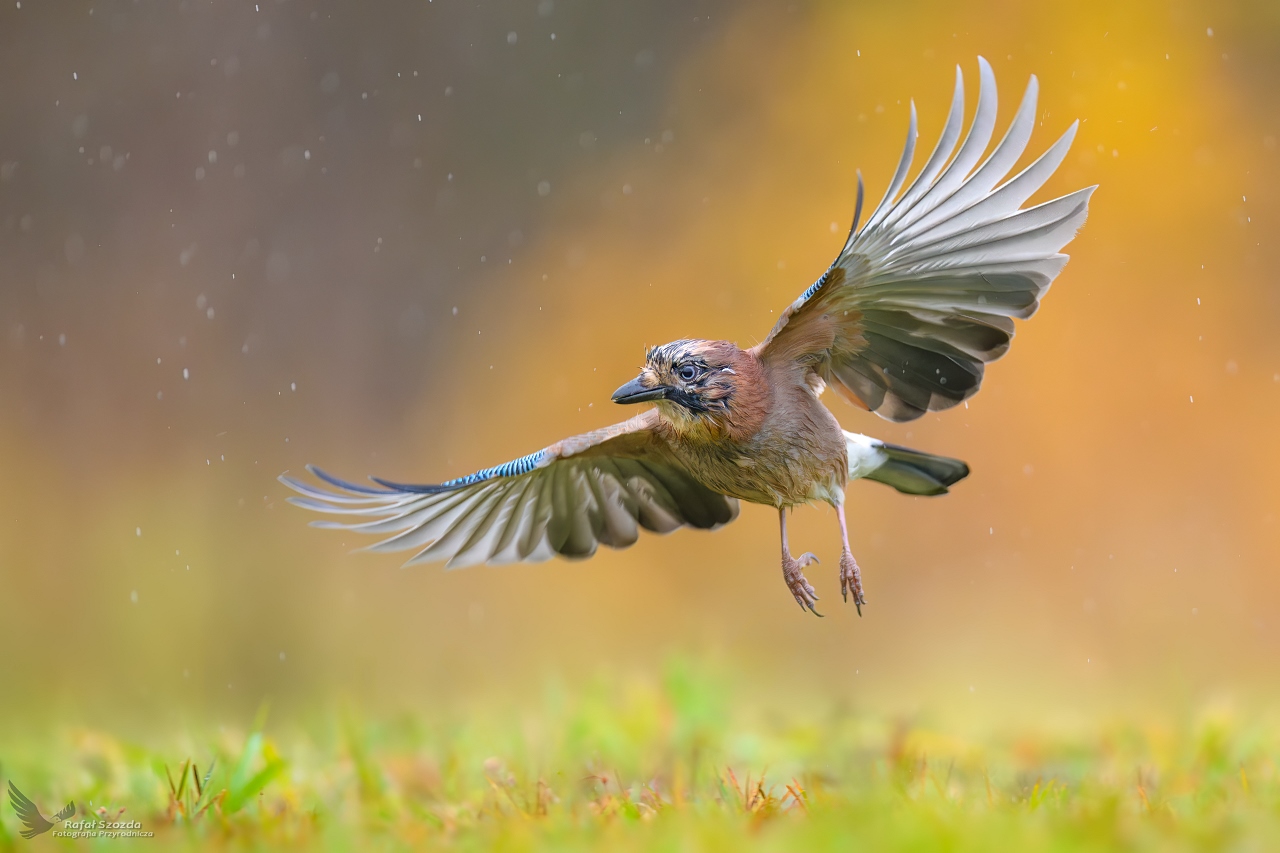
915, 473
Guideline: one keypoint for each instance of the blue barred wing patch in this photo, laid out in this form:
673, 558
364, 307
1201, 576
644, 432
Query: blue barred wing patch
815, 287
514, 468
826, 276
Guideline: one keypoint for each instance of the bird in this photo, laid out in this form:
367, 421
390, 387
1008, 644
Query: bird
30, 816
919, 299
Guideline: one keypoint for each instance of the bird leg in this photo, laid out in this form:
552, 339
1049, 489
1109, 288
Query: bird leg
850, 575
791, 570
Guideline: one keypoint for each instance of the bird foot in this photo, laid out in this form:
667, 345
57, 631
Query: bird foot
851, 581
799, 585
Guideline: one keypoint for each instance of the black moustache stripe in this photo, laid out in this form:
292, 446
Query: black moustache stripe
695, 403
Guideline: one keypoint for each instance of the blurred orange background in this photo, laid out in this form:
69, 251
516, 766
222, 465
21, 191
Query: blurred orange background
420, 239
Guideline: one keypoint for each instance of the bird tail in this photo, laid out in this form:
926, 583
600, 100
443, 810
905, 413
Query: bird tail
909, 471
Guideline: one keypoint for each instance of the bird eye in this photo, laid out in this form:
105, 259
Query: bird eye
688, 373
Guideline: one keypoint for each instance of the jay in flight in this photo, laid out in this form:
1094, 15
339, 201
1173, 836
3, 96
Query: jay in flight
903, 322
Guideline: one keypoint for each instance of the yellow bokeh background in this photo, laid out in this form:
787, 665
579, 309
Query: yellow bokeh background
1117, 542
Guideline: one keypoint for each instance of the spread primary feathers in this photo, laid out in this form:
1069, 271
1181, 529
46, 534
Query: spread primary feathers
902, 322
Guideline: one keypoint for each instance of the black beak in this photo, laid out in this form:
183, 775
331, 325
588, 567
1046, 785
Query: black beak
635, 392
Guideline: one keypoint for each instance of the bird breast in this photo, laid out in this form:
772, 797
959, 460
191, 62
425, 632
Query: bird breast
797, 454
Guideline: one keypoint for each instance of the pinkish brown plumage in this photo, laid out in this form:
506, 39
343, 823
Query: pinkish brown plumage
769, 441
901, 323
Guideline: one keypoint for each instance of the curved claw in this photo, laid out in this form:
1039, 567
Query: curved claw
808, 605
803, 592
851, 581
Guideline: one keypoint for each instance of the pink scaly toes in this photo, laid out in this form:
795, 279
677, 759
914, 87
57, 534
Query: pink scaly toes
851, 581
799, 585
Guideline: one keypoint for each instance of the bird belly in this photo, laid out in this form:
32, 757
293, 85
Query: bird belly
785, 478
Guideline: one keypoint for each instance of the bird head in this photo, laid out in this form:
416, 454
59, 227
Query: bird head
693, 382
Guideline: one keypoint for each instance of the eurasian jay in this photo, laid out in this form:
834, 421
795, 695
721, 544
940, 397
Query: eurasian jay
902, 323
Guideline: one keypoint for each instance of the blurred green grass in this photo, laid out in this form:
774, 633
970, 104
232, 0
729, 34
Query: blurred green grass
675, 764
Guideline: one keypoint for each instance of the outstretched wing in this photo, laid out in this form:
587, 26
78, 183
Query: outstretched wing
27, 813
592, 489
921, 298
